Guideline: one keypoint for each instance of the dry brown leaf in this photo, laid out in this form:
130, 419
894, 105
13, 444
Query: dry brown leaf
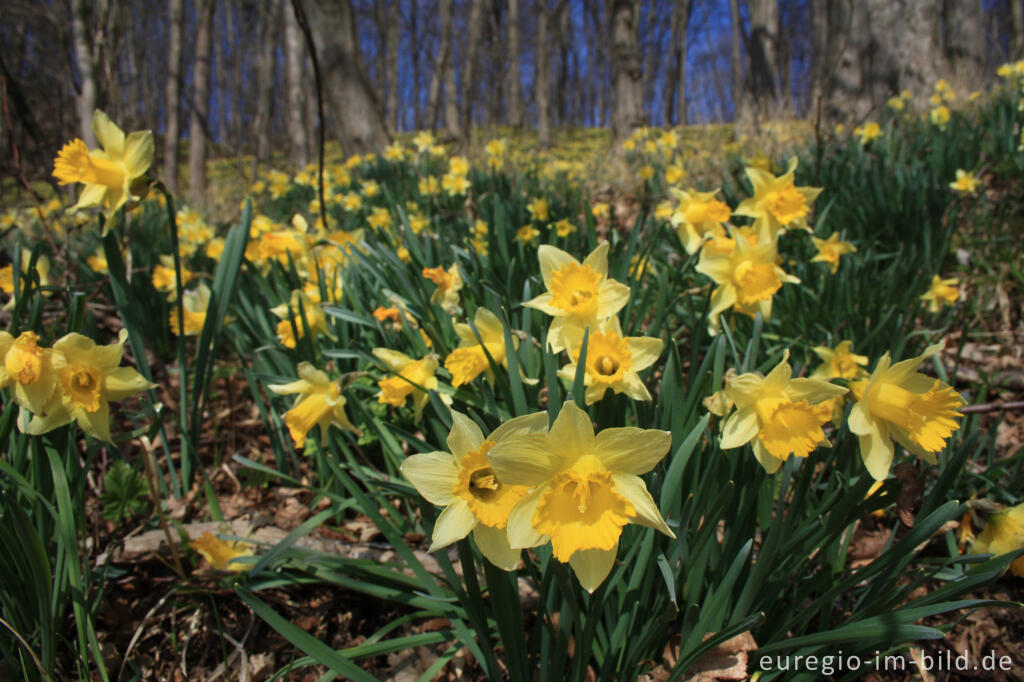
727, 661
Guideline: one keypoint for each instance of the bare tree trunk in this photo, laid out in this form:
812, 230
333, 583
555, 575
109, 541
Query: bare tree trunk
414, 51
682, 9
451, 95
200, 105
965, 41
437, 78
820, 67
736, 62
295, 58
650, 50
561, 20
391, 97
516, 113
173, 92
1016, 29
269, 20
85, 100
764, 43
590, 82
469, 68
357, 117
627, 74
542, 79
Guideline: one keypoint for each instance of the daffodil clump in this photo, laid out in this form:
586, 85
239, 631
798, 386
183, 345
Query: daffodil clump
74, 381
783, 417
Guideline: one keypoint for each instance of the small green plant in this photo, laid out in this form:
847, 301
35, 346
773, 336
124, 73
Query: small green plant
124, 492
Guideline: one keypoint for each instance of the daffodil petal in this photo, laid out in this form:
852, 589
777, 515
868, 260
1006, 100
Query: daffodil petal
125, 382
813, 390
434, 475
524, 459
592, 566
631, 450
598, 259
454, 523
92, 195
110, 137
876, 450
633, 489
394, 360
138, 152
521, 533
464, 436
770, 462
644, 351
740, 428
96, 424
493, 544
552, 259
56, 416
612, 297
529, 423
572, 431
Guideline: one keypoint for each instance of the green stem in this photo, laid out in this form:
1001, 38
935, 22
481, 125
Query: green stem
186, 449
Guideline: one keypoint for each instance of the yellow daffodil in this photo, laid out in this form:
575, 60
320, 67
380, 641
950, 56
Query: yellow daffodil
88, 378
165, 278
379, 218
475, 500
942, 292
599, 210
830, 250
578, 294
394, 152
839, 362
412, 377
939, 116
108, 173
449, 283
664, 210
469, 360
194, 302
28, 368
897, 402
698, 216
965, 183
612, 361
527, 234
423, 141
454, 184
318, 402
1003, 533
538, 209
221, 554
563, 228
674, 174
747, 278
584, 489
298, 306
783, 414
868, 132
777, 202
